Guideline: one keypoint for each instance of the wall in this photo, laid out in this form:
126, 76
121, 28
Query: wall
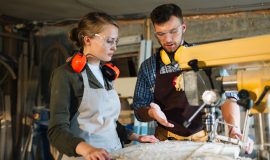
227, 26
201, 28
207, 28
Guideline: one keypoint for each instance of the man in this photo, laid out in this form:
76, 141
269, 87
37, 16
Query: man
155, 96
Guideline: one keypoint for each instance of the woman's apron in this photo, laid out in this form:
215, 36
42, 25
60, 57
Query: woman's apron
95, 120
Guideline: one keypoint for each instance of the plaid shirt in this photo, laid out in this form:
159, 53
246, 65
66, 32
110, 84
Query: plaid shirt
144, 91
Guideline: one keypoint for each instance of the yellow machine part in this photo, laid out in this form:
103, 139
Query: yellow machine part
227, 52
254, 81
238, 51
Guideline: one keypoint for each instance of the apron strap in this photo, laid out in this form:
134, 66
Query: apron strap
60, 156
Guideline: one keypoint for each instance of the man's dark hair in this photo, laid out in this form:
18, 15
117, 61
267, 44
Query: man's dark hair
162, 13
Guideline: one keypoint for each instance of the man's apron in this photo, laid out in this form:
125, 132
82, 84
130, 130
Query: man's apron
95, 120
175, 106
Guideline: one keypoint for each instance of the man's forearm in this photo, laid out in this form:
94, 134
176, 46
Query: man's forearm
143, 115
231, 112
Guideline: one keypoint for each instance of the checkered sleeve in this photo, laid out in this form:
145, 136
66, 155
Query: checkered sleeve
144, 90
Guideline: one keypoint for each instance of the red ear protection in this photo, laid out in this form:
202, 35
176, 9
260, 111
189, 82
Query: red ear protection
78, 62
110, 71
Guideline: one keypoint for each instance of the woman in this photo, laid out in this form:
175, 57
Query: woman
84, 105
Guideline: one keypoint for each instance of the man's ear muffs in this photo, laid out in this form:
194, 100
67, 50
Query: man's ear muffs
79, 60
165, 58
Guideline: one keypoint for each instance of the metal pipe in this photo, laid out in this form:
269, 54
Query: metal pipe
246, 126
148, 29
9, 69
229, 82
266, 121
263, 140
9, 35
261, 132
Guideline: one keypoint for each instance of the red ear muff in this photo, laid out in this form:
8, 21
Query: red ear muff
110, 71
78, 62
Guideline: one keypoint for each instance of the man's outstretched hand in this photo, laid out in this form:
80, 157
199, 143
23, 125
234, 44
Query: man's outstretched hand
156, 113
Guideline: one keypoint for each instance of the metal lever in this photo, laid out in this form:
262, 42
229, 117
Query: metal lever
266, 89
209, 97
188, 122
225, 138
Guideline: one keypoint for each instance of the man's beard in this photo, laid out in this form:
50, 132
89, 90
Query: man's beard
177, 44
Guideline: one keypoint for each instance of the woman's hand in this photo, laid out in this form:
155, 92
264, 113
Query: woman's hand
91, 153
143, 139
97, 154
147, 139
